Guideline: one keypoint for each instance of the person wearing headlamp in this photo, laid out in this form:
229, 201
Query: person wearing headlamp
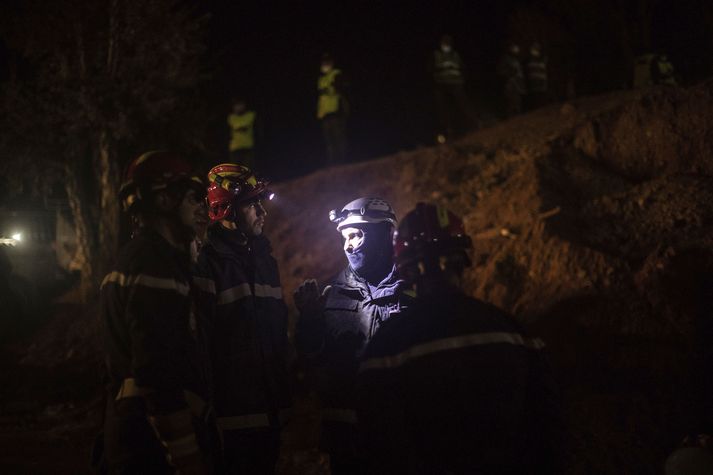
241, 299
336, 323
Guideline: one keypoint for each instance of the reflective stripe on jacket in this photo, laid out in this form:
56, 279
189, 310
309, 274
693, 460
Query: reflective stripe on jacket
242, 130
241, 299
329, 98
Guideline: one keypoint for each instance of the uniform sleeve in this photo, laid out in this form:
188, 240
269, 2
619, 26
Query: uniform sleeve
205, 291
157, 321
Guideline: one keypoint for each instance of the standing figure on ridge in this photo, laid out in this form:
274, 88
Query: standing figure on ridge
453, 108
333, 111
242, 134
537, 88
510, 70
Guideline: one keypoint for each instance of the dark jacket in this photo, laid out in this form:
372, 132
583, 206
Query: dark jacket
241, 299
151, 346
454, 386
334, 342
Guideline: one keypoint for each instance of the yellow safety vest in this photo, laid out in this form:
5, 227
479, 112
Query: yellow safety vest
328, 102
241, 127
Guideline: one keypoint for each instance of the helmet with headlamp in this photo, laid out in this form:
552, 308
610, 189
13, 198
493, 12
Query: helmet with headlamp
230, 185
363, 211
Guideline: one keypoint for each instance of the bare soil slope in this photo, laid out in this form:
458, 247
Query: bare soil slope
591, 221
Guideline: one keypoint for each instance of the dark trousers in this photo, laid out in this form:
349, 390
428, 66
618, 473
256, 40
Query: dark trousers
334, 128
453, 109
130, 443
513, 101
250, 452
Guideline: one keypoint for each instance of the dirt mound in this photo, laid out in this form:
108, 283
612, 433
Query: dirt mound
591, 221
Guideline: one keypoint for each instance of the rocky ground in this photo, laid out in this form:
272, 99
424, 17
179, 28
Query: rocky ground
590, 219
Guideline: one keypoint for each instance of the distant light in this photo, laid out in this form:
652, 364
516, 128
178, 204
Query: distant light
17, 237
271, 196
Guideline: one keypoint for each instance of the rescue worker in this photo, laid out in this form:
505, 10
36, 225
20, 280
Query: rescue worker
242, 134
453, 385
155, 420
536, 78
241, 298
662, 71
510, 70
452, 105
333, 111
335, 325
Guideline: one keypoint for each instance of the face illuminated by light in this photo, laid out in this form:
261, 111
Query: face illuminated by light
251, 218
353, 239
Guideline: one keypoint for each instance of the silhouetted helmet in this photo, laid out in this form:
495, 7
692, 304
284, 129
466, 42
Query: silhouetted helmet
363, 211
229, 185
154, 171
427, 234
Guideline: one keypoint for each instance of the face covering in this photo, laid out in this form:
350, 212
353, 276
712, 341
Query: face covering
372, 259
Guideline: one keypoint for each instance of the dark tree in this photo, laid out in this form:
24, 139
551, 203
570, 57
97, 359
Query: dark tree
100, 81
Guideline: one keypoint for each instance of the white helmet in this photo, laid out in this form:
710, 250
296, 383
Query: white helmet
363, 211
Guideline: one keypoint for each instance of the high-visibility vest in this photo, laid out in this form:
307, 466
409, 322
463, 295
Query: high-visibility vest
666, 72
537, 75
448, 67
329, 98
242, 134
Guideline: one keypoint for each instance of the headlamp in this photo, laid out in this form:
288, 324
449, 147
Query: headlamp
337, 216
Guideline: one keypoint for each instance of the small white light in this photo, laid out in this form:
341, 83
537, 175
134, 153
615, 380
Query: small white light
17, 237
270, 196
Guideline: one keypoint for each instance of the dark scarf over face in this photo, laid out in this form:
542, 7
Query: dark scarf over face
373, 259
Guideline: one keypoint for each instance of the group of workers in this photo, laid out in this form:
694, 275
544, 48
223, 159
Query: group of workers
454, 112
332, 113
413, 375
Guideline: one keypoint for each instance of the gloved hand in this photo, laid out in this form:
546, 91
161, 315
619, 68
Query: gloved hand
308, 299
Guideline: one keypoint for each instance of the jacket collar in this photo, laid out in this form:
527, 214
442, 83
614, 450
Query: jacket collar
351, 281
227, 241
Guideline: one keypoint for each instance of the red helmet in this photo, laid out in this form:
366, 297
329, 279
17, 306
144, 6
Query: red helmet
154, 171
230, 184
427, 233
